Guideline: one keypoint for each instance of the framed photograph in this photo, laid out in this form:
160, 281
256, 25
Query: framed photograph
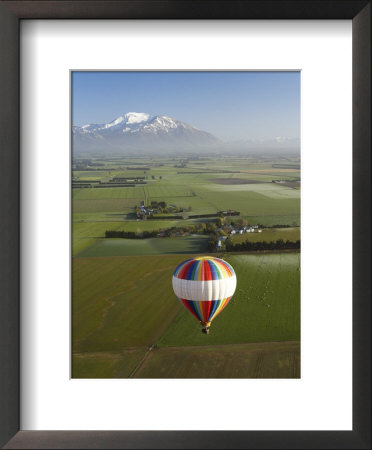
160, 171
163, 210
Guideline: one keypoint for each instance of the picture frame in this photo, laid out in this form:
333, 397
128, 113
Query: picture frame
11, 12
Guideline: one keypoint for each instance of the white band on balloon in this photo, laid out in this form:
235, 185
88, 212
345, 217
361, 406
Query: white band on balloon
204, 290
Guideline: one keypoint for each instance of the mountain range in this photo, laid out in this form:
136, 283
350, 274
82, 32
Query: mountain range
141, 133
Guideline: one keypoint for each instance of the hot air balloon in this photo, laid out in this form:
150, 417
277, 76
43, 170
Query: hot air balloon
204, 286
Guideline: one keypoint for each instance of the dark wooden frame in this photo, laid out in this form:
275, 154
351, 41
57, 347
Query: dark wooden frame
11, 11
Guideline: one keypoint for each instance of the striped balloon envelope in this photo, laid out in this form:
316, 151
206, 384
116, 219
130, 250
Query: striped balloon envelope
204, 286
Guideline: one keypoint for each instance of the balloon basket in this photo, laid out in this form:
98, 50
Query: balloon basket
205, 330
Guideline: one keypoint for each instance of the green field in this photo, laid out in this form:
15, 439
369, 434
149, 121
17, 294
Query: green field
265, 202
290, 234
126, 320
107, 365
86, 233
151, 246
123, 304
266, 360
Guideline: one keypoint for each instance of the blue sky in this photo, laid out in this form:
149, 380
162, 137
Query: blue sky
230, 105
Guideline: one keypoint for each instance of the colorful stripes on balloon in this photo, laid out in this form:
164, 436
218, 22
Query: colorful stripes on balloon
204, 286
205, 311
204, 269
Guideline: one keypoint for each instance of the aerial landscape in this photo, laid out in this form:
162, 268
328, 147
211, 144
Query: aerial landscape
169, 167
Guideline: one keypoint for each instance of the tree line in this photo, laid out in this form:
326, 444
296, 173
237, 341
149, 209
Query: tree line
280, 244
130, 234
198, 228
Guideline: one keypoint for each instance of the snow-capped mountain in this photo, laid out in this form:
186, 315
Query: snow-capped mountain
141, 132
